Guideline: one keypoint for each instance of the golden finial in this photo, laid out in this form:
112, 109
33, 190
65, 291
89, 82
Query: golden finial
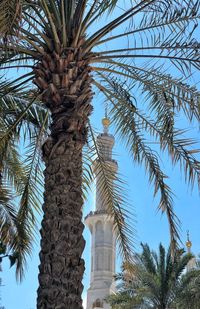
188, 242
106, 121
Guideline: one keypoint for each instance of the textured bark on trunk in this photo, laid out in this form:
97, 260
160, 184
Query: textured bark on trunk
65, 84
62, 243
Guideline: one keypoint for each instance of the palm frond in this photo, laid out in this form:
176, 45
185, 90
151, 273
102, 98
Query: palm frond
19, 122
8, 212
163, 24
15, 233
147, 259
91, 41
159, 88
20, 244
162, 128
128, 130
10, 16
87, 176
112, 192
156, 31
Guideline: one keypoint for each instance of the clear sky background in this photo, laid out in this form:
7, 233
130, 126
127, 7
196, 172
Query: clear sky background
151, 226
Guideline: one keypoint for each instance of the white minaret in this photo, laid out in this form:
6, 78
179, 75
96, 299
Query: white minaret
103, 236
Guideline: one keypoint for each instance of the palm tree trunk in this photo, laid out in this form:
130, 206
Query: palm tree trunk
65, 83
62, 243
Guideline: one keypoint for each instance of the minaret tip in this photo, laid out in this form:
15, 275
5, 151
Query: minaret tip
188, 242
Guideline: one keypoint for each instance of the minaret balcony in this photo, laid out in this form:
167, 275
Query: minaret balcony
98, 215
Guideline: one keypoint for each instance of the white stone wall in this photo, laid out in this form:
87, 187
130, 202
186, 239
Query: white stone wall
102, 259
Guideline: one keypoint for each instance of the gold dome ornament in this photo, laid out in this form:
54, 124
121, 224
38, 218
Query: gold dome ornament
188, 242
106, 123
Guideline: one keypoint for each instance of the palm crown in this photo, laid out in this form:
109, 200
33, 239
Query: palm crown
156, 280
67, 59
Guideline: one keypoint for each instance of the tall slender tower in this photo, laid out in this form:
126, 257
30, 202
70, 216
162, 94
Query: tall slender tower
103, 242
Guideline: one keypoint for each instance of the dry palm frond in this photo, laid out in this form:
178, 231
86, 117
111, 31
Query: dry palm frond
11, 12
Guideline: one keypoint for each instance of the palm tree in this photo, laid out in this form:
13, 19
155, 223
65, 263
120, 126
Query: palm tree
156, 281
67, 57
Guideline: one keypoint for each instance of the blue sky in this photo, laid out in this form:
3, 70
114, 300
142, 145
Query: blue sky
151, 226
